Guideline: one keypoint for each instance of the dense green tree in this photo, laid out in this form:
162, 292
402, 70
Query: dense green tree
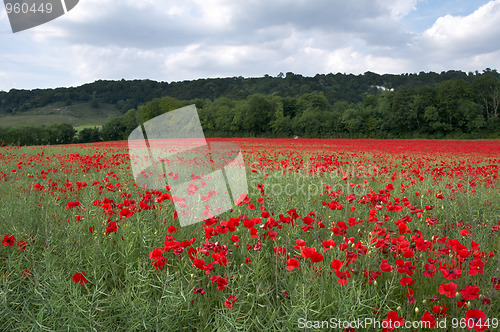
89, 135
119, 127
450, 95
281, 125
446, 104
258, 114
352, 121
159, 106
61, 133
487, 92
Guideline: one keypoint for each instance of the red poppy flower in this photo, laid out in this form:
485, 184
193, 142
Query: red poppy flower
307, 252
449, 289
496, 283
350, 257
79, 278
159, 263
8, 240
371, 275
462, 304
230, 301
336, 264
476, 266
199, 290
451, 274
329, 244
222, 283
440, 310
428, 320
410, 299
171, 229
279, 250
465, 232
343, 277
405, 267
470, 292
199, 263
429, 270
475, 319
126, 212
317, 257
21, 245
292, 264
406, 281
386, 267
156, 253
112, 227
393, 321
71, 205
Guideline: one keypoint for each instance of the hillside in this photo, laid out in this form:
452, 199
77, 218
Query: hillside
78, 114
452, 104
125, 95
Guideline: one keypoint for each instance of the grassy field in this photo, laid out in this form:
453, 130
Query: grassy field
333, 232
77, 114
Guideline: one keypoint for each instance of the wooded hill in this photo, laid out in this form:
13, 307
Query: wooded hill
448, 104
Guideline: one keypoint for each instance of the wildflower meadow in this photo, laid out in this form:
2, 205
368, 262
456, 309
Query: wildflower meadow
346, 235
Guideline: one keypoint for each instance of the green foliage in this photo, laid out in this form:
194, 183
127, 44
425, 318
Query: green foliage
158, 106
258, 115
449, 104
119, 128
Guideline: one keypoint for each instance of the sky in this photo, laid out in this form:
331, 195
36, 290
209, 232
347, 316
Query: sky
177, 40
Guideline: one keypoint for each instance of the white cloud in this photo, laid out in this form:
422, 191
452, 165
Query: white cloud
476, 33
348, 60
91, 62
174, 40
399, 8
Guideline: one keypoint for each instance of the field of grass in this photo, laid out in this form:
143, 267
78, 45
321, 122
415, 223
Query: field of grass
77, 114
332, 233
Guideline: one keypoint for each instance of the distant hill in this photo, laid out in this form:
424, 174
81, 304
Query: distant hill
78, 114
93, 103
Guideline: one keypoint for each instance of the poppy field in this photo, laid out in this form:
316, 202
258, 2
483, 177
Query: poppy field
346, 235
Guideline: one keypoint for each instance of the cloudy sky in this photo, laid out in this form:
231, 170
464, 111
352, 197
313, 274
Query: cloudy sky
175, 40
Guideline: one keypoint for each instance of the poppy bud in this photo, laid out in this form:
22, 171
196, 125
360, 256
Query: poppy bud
468, 305
424, 301
398, 308
375, 283
416, 310
457, 294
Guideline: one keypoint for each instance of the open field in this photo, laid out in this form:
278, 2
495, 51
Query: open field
76, 114
337, 231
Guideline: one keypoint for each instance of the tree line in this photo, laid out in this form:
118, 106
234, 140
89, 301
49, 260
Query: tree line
454, 108
126, 95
